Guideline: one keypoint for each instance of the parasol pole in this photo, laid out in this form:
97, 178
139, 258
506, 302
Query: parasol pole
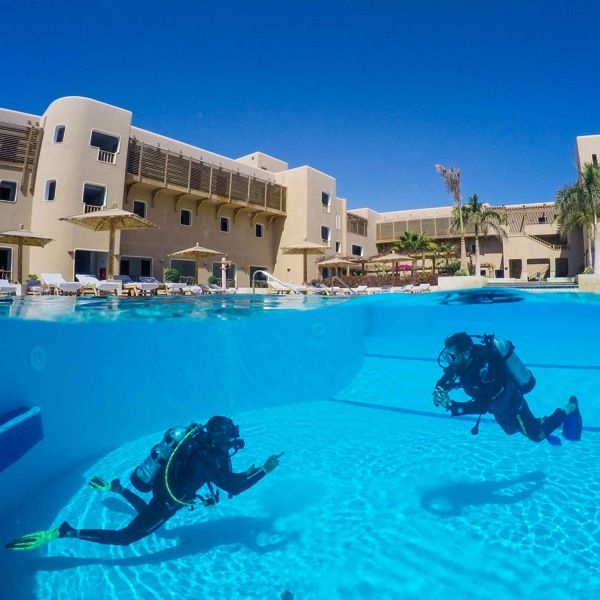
20, 261
111, 252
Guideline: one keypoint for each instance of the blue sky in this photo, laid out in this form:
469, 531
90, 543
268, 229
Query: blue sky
373, 93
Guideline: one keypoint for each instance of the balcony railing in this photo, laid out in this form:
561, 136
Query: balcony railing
170, 169
90, 208
18, 143
107, 157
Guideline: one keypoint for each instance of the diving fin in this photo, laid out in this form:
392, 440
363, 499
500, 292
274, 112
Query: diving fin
33, 541
573, 423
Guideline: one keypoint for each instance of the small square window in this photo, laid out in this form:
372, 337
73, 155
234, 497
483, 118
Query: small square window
325, 198
357, 250
50, 190
185, 217
8, 191
260, 230
224, 224
139, 208
59, 134
104, 141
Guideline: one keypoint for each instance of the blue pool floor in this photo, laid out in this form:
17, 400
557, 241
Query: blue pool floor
367, 503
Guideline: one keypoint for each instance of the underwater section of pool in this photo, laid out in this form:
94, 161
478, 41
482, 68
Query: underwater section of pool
379, 494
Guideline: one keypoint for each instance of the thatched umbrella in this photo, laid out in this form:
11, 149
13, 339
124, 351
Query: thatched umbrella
393, 258
196, 252
23, 237
305, 248
111, 220
335, 262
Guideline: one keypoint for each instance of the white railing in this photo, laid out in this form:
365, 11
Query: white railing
89, 208
107, 157
272, 278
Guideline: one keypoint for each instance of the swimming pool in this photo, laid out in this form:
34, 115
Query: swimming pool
379, 494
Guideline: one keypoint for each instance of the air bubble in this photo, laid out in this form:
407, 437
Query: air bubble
37, 358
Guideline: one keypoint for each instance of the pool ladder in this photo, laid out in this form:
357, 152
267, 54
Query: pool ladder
272, 278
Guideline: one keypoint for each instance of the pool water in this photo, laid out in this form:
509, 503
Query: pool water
379, 494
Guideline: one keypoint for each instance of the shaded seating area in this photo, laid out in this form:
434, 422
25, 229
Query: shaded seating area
55, 283
94, 286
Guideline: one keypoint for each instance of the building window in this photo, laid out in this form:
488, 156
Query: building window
50, 190
5, 263
104, 141
542, 219
59, 134
594, 159
139, 208
326, 235
185, 217
338, 247
94, 195
357, 250
224, 224
186, 268
326, 201
8, 191
260, 230
338, 221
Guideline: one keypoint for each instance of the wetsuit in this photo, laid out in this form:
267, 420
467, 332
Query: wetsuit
487, 380
199, 466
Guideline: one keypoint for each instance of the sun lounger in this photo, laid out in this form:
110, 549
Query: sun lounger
419, 289
139, 288
287, 288
169, 286
57, 284
7, 288
99, 287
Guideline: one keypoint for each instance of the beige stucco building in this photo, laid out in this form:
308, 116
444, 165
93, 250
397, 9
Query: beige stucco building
81, 155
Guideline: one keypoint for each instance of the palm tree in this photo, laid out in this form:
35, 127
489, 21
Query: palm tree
414, 243
452, 180
483, 218
573, 212
446, 250
578, 206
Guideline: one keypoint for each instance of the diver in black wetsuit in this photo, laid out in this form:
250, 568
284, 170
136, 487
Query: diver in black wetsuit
202, 458
493, 376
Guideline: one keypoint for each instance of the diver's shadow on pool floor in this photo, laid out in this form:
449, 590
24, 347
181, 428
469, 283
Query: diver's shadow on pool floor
448, 500
193, 540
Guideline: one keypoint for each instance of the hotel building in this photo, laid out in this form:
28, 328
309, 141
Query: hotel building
82, 155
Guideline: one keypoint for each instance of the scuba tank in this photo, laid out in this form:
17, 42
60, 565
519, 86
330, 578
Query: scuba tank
522, 376
145, 474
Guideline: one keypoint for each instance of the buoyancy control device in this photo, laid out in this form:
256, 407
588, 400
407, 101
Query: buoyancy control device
520, 374
144, 476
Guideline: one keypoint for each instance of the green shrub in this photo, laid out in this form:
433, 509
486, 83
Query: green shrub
212, 279
461, 273
172, 275
588, 271
33, 277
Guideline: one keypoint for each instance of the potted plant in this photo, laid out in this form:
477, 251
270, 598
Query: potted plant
172, 275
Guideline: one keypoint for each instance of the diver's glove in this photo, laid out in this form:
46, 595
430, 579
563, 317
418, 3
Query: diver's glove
98, 484
441, 398
271, 463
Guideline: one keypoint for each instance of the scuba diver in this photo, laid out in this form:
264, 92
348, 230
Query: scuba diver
493, 376
186, 459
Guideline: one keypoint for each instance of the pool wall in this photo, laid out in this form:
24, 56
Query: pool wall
100, 385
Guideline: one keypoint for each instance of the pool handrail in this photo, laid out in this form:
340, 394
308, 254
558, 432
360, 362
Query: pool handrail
336, 278
272, 277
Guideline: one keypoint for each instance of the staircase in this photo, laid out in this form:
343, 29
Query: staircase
546, 244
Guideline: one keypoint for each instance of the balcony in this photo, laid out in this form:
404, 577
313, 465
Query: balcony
184, 175
107, 157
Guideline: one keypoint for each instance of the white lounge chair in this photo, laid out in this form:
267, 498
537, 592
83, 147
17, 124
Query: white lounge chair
286, 288
111, 287
7, 288
419, 289
58, 285
139, 288
361, 289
